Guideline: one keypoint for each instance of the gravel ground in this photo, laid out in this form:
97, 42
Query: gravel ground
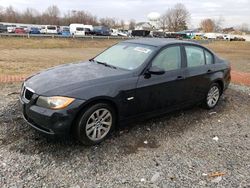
190, 148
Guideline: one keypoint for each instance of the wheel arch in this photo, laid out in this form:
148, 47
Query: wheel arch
87, 104
221, 84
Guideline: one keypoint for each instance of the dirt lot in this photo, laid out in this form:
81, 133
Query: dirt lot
190, 148
176, 150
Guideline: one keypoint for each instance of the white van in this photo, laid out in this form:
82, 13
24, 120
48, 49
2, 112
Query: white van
77, 29
48, 29
210, 35
90, 27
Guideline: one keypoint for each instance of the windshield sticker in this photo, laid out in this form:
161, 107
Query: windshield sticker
143, 50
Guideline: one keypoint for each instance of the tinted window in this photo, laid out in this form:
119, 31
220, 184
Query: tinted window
209, 57
168, 59
51, 27
80, 29
195, 56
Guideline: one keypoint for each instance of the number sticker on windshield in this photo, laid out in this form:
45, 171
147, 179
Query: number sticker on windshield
143, 50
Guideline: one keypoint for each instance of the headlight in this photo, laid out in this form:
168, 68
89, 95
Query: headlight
55, 102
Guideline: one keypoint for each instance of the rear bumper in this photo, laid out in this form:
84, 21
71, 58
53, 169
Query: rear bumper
50, 122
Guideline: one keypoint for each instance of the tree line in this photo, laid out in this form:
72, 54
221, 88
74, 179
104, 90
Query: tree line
174, 19
53, 16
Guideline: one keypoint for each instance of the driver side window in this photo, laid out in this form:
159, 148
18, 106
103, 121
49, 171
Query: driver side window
168, 59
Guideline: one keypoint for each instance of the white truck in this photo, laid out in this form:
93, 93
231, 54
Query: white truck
77, 29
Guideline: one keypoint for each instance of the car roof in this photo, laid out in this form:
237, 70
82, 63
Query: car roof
157, 42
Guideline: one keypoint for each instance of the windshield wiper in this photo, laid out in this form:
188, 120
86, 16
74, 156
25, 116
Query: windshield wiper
103, 63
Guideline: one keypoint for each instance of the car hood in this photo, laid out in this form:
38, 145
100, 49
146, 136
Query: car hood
61, 80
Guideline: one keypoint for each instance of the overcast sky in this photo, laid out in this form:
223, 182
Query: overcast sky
234, 12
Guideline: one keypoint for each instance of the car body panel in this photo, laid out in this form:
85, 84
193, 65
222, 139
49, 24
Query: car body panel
73, 79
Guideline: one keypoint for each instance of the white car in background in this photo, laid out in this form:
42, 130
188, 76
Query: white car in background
210, 35
227, 37
48, 29
77, 29
11, 29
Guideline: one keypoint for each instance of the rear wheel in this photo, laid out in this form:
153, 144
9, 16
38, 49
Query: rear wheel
95, 124
212, 97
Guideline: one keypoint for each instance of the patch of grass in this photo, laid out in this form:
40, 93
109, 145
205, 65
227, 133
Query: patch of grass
237, 53
23, 56
49, 43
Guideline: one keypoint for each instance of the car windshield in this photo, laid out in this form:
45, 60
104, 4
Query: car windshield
127, 56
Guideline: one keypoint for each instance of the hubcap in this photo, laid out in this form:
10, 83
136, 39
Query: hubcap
99, 124
213, 96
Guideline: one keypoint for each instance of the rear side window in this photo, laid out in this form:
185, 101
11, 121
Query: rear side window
51, 28
168, 59
209, 57
195, 56
80, 29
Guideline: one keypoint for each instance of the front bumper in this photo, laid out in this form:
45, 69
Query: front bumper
47, 121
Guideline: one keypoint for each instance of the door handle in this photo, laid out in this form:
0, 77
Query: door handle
209, 71
179, 78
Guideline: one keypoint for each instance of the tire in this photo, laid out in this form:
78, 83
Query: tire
212, 97
95, 124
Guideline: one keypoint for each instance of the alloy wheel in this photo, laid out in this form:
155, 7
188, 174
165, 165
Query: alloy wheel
213, 96
98, 124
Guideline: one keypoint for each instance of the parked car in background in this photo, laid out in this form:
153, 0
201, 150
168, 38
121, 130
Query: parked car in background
90, 27
77, 29
210, 35
3, 28
64, 31
133, 79
20, 30
227, 37
51, 29
26, 28
198, 37
34, 30
42, 30
114, 32
237, 39
48, 29
158, 34
101, 31
11, 28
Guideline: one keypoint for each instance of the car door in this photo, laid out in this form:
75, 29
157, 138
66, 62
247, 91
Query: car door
161, 92
198, 68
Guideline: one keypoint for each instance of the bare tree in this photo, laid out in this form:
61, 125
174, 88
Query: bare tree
51, 15
163, 22
207, 25
218, 24
176, 18
109, 22
132, 24
1, 14
122, 24
11, 15
29, 16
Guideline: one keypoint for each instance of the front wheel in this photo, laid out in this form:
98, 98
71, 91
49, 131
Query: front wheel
212, 97
95, 124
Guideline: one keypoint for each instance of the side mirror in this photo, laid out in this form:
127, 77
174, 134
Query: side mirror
156, 70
